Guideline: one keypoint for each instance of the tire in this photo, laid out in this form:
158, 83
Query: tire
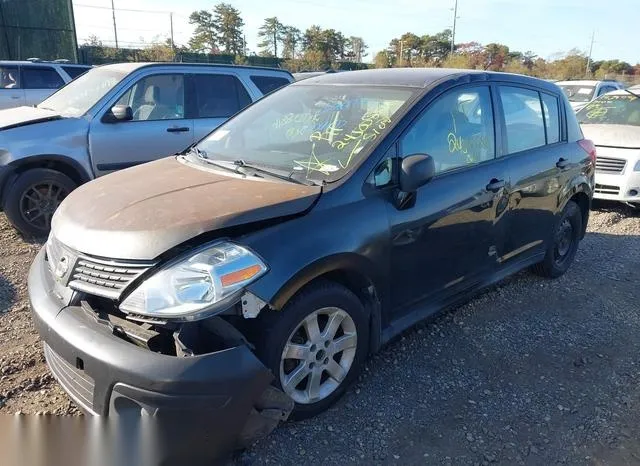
32, 199
563, 244
275, 329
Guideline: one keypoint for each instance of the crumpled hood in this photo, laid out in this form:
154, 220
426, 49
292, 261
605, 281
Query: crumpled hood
613, 135
22, 116
141, 212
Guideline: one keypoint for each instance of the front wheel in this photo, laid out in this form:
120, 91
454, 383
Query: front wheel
33, 198
563, 246
315, 346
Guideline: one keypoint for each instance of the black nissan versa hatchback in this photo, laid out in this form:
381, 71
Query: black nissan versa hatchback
249, 277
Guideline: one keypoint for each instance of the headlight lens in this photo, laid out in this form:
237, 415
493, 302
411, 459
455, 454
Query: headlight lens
637, 167
187, 287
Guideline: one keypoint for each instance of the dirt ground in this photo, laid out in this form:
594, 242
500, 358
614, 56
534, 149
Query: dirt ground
530, 372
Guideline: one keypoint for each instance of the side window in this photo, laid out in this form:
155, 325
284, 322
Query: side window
455, 130
523, 118
9, 77
551, 117
75, 71
268, 84
41, 78
157, 97
605, 90
219, 95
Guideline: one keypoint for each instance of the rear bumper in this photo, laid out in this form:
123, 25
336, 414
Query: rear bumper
623, 187
108, 376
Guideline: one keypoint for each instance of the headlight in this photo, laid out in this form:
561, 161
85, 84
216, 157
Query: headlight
190, 286
637, 167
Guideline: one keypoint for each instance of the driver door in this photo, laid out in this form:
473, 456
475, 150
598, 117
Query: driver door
158, 129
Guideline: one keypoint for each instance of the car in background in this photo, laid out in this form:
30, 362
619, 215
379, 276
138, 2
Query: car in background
613, 123
114, 117
580, 93
264, 265
30, 82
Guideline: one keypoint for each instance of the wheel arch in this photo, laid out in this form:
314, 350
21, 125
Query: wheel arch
349, 270
581, 193
63, 164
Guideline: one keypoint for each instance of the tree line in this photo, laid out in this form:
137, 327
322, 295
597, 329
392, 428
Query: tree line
412, 50
221, 31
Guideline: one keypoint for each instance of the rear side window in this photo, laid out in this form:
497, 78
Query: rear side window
9, 77
41, 78
523, 118
219, 95
75, 71
551, 117
456, 130
268, 84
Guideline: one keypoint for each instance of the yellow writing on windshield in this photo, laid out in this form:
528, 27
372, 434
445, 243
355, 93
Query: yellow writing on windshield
297, 119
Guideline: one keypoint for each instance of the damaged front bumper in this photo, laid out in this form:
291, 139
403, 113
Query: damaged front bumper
226, 391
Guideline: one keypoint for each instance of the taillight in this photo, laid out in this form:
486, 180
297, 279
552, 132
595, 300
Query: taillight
589, 147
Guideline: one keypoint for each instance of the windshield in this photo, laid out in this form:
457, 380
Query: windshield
578, 92
610, 109
310, 131
77, 97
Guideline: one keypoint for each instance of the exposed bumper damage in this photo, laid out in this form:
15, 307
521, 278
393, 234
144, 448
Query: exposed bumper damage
198, 374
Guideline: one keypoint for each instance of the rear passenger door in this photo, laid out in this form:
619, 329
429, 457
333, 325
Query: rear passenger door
11, 92
213, 98
39, 82
539, 164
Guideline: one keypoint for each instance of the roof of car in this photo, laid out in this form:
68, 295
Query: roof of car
131, 67
587, 82
414, 77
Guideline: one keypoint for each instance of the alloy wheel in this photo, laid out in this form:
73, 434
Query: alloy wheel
318, 355
39, 202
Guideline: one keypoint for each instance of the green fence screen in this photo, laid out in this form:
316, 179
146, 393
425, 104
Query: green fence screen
37, 29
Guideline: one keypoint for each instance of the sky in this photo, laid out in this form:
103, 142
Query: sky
549, 28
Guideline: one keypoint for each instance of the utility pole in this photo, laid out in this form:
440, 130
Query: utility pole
453, 33
588, 70
401, 53
173, 44
115, 29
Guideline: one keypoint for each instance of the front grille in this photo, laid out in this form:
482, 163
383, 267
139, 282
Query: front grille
610, 165
104, 278
75, 381
606, 189
100, 277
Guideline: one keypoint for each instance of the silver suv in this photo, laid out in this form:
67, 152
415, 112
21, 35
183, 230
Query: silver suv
110, 118
30, 82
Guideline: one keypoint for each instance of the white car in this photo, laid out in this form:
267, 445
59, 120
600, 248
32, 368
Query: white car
30, 82
612, 122
580, 93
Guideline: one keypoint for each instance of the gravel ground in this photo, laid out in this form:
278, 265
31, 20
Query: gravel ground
530, 372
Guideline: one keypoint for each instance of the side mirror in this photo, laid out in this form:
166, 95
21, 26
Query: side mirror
416, 170
118, 113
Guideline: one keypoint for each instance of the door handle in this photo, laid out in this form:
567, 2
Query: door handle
182, 129
562, 163
15, 97
496, 185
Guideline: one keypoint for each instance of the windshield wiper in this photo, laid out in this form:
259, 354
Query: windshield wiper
241, 164
202, 155
632, 93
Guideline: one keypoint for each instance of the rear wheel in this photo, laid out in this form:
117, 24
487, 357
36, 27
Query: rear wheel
564, 244
315, 346
34, 197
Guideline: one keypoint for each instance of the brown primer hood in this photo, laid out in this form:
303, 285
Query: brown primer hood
142, 212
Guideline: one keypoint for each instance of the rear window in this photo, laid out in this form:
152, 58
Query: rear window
41, 78
9, 77
622, 109
75, 71
219, 95
268, 84
578, 92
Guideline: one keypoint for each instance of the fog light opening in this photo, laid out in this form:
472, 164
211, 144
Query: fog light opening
633, 192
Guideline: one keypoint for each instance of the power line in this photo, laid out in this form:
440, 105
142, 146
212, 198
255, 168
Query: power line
121, 9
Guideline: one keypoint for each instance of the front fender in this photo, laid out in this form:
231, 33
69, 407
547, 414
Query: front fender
350, 237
